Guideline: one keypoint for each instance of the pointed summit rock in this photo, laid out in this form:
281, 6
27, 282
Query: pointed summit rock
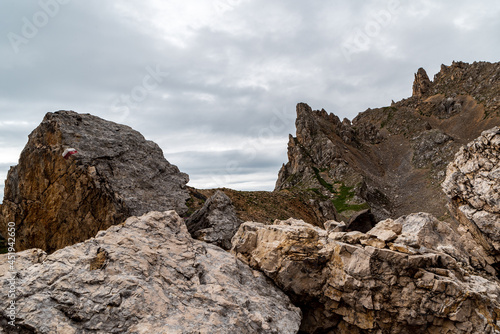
115, 173
421, 84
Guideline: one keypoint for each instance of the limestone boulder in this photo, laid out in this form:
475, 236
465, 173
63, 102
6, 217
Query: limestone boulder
386, 230
472, 184
146, 275
418, 282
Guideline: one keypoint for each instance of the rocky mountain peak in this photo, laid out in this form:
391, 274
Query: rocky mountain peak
311, 123
388, 155
480, 80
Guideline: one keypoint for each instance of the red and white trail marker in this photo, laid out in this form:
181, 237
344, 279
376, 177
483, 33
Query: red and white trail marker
69, 152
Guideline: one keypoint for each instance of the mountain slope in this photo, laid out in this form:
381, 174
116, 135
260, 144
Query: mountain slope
393, 159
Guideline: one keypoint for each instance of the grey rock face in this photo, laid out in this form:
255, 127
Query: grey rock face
216, 222
411, 275
146, 275
116, 173
433, 149
319, 158
472, 184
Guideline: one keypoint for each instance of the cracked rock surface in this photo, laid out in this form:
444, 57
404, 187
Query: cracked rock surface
117, 173
472, 183
146, 275
408, 275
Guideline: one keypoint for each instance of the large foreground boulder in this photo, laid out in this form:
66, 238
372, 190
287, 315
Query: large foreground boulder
144, 276
116, 173
409, 275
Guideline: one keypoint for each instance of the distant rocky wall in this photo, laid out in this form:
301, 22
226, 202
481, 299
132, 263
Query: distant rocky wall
393, 159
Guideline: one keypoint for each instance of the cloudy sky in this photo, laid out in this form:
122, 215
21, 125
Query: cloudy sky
215, 82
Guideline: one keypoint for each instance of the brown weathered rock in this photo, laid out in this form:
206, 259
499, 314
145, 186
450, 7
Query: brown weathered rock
472, 184
421, 84
116, 173
393, 159
267, 206
146, 275
423, 284
216, 222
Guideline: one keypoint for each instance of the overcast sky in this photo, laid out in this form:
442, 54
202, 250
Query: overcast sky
215, 82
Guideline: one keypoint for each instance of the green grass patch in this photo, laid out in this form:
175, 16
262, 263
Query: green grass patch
322, 181
345, 194
342, 195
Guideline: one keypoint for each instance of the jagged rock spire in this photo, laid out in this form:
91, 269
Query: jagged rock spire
421, 84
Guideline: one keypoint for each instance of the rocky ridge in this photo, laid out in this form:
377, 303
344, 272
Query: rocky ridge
267, 206
393, 159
